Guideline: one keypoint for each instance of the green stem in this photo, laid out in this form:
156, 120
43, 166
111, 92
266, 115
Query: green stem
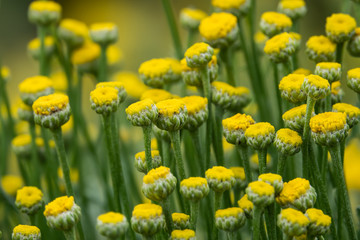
277, 91
168, 218
43, 61
5, 98
50, 163
281, 163
339, 52
115, 173
166, 152
195, 135
32, 218
103, 64
262, 160
207, 93
341, 186
328, 106
228, 61
194, 211
217, 204
245, 160
175, 139
34, 156
256, 222
60, 148
270, 217
173, 28
218, 130
306, 137
70, 235
147, 142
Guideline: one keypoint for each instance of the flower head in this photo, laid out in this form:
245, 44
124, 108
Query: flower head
62, 213
181, 220
239, 174
293, 9
190, 18
186, 234
157, 95
104, 100
112, 225
235, 127
172, 114
295, 118
34, 47
298, 194
260, 135
86, 56
236, 7
353, 45
337, 93
26, 232
197, 111
140, 162
316, 87
246, 205
220, 179
274, 180
329, 128
73, 32
52, 111
29, 200
104, 33
292, 222
290, 88
230, 219
261, 194
199, 55
219, 29
194, 188
353, 79
280, 47
142, 113
117, 85
273, 23
11, 183
287, 141
340, 27
352, 112
330, 71
320, 49
319, 222
132, 84
158, 184
21, 144
44, 12
146, 215
34, 87
302, 71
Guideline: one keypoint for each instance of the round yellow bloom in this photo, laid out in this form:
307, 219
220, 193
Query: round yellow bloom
260, 193
44, 12
260, 129
292, 222
104, 95
190, 17
155, 174
245, 204
353, 79
35, 84
229, 212
293, 9
331, 71
74, 26
294, 216
26, 232
156, 95
85, 56
170, 107
352, 112
317, 217
28, 196
147, 211
261, 188
320, 49
139, 106
328, 122
289, 136
280, 47
302, 71
11, 183
59, 205
186, 234
236, 7
5, 73
273, 23
111, 217
59, 80
50, 104
295, 118
193, 182
340, 27
220, 178
104, 33
132, 84
219, 29
290, 88
181, 221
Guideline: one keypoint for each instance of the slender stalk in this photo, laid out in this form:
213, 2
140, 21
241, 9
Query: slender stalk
43, 63
217, 204
194, 211
166, 148
341, 186
246, 164
262, 160
115, 173
34, 156
207, 93
270, 217
306, 137
195, 135
50, 163
147, 142
218, 130
6, 102
277, 91
103, 64
228, 61
70, 235
256, 222
328, 103
191, 36
168, 218
32, 219
175, 139
281, 163
339, 52
173, 28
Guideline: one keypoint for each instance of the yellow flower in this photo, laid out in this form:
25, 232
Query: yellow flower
260, 193
155, 174
238, 122
353, 79
352, 164
293, 190
11, 183
147, 211
139, 106
194, 104
59, 81
234, 6
178, 217
191, 17
289, 136
260, 37
219, 29
114, 55
85, 54
340, 27
183, 234
280, 47
5, 72
104, 33
294, 9
294, 216
259, 129
239, 172
246, 204
35, 84
50, 104
133, 86
302, 71
44, 12
352, 112
156, 95
26, 232
219, 173
273, 23
317, 217
28, 196
75, 27
328, 122
193, 182
104, 95
170, 107
228, 212
59, 205
111, 217
320, 49
290, 88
